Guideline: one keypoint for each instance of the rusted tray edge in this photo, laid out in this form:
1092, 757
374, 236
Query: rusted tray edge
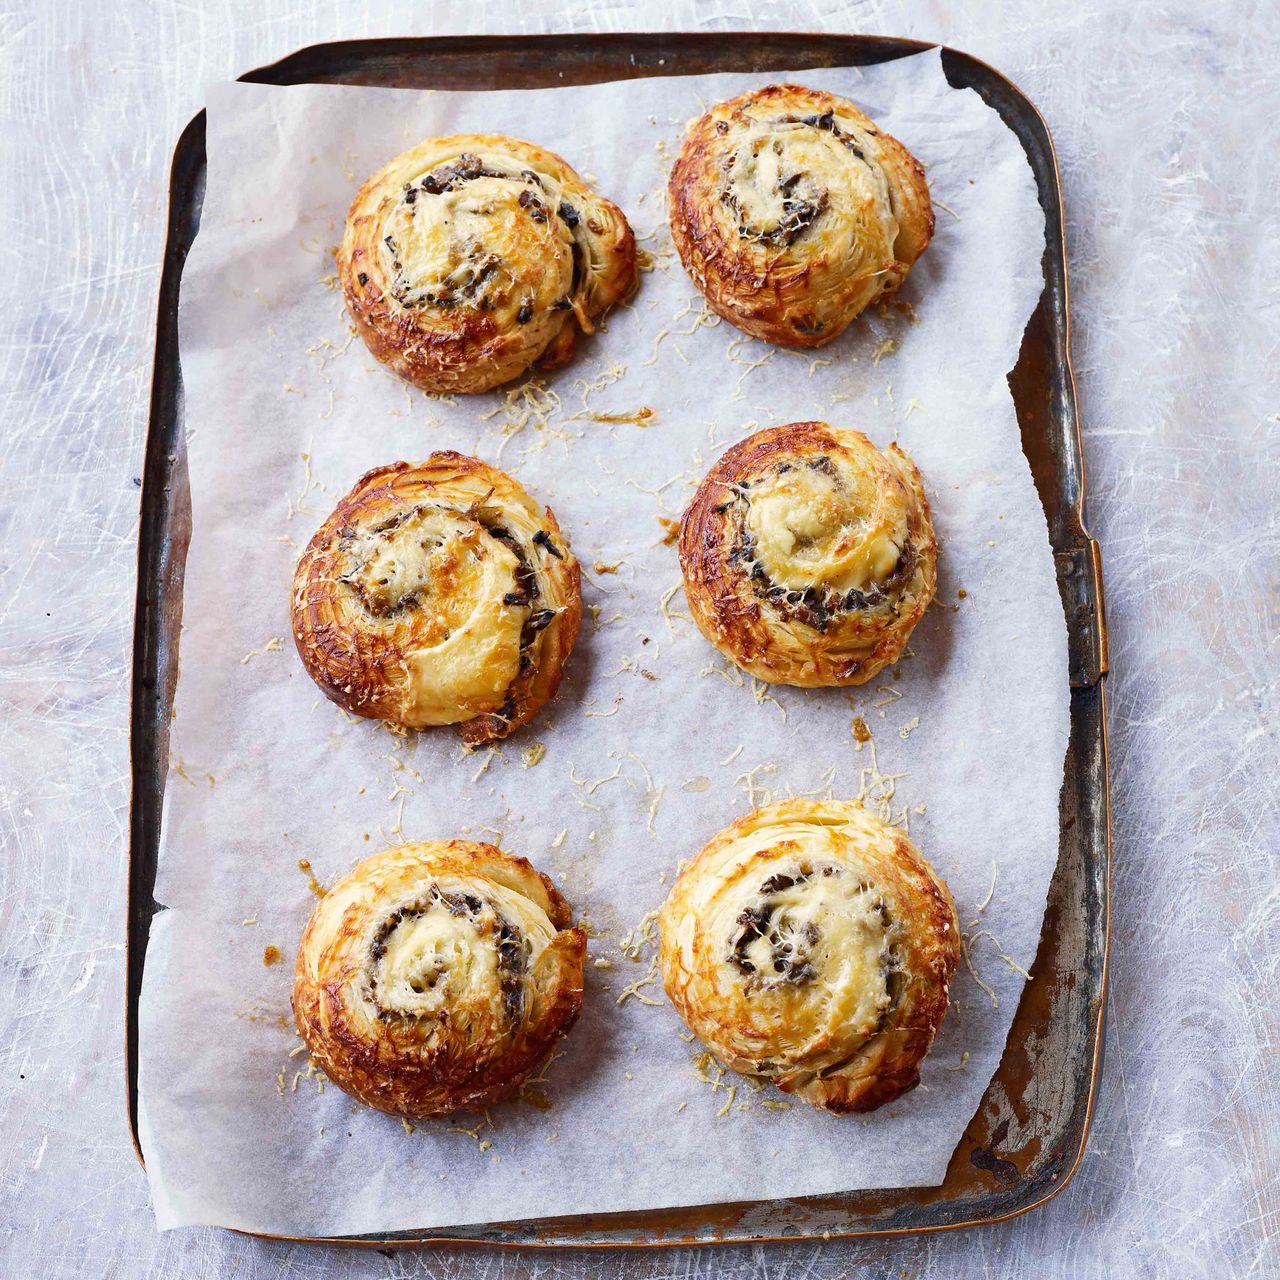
160, 563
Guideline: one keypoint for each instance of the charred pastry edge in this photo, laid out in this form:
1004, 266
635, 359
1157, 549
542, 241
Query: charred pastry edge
925, 958
740, 625
731, 283
473, 354
547, 636
368, 1060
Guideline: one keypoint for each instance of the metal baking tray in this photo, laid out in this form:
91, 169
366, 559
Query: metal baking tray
1028, 1136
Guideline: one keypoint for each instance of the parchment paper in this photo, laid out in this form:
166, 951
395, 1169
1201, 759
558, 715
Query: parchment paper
283, 414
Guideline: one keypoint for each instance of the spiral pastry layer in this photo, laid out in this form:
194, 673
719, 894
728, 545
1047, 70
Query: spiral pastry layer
437, 976
809, 944
438, 593
808, 555
792, 212
470, 258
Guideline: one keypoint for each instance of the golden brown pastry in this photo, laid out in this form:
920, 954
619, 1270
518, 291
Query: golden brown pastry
437, 976
809, 944
793, 212
437, 593
470, 258
808, 555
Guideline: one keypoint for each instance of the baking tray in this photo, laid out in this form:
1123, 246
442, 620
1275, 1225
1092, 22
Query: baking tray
1028, 1135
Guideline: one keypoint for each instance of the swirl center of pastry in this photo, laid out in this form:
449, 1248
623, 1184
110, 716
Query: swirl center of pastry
786, 176
825, 522
483, 234
456, 596
772, 189
816, 928
444, 953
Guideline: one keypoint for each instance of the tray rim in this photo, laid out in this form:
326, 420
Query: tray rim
895, 47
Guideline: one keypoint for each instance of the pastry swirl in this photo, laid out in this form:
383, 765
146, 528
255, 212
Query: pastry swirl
470, 258
808, 555
437, 976
438, 593
793, 212
811, 945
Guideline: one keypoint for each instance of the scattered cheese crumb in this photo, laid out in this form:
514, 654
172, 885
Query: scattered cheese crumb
968, 960
273, 645
753, 789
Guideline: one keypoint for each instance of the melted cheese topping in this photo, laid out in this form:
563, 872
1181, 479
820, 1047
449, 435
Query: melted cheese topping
842, 523
439, 580
815, 967
787, 176
444, 956
431, 960
489, 243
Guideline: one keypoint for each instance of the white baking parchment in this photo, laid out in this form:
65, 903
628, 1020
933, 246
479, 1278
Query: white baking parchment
653, 743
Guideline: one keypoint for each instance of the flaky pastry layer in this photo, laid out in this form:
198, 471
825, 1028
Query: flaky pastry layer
809, 944
438, 593
471, 258
437, 976
793, 212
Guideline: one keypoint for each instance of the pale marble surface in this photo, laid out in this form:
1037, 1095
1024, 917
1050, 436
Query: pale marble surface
1166, 128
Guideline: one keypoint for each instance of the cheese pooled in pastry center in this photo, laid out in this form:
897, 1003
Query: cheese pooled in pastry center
462, 585
481, 234
827, 521
811, 945
786, 176
455, 956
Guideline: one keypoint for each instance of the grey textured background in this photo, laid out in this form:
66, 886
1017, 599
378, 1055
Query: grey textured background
1166, 122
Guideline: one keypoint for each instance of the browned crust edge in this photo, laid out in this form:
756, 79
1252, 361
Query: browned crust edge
389, 1073
356, 676
768, 308
729, 614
